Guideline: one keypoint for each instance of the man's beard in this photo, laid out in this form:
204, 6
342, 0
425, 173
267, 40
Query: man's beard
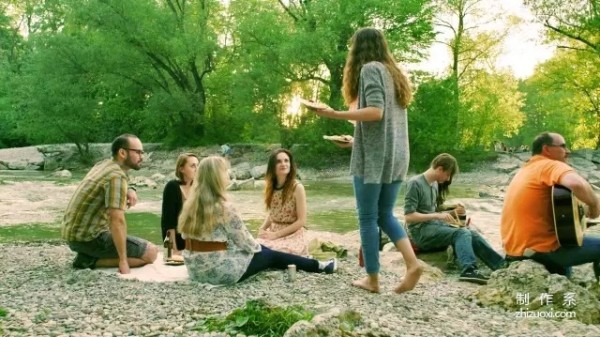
131, 164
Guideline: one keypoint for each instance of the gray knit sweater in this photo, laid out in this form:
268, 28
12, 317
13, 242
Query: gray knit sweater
380, 153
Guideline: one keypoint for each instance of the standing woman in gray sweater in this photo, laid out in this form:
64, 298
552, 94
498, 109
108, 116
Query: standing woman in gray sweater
378, 94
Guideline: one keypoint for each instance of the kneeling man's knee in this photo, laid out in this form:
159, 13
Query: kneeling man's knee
150, 254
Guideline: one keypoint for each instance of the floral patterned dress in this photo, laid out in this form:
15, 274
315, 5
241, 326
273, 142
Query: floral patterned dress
283, 215
226, 266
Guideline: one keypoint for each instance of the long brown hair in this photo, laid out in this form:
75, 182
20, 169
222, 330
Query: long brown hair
369, 44
271, 177
448, 164
204, 209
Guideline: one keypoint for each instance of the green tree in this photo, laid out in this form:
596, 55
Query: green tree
492, 106
564, 96
299, 48
12, 49
175, 43
431, 128
575, 22
481, 93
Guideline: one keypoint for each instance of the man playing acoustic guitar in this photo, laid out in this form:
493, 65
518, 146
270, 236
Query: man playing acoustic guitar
432, 228
527, 224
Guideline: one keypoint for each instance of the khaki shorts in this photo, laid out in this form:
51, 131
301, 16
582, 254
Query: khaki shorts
103, 247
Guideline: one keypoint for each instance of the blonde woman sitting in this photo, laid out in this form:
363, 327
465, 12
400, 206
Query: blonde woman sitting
219, 249
285, 199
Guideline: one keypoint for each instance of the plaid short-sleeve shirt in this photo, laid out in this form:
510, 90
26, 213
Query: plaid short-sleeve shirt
104, 187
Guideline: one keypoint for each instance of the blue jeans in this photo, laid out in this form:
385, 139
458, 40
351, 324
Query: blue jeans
560, 260
468, 244
375, 207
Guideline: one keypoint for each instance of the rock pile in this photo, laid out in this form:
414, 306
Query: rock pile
526, 287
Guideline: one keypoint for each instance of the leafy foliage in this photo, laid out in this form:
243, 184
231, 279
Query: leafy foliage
575, 22
432, 121
257, 318
564, 95
193, 72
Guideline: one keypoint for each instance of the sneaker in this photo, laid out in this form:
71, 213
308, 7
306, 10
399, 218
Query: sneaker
596, 267
331, 266
473, 275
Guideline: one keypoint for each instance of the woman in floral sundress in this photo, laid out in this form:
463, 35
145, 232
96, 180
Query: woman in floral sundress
285, 198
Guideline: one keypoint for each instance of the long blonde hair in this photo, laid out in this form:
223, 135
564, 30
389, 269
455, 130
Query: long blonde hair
204, 209
367, 45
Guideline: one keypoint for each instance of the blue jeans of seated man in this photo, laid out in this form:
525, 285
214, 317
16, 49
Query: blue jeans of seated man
467, 243
375, 206
560, 260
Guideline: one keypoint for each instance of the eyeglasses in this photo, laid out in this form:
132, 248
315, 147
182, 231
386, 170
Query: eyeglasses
139, 152
564, 146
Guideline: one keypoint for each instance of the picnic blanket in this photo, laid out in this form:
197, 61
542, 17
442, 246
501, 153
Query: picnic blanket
155, 272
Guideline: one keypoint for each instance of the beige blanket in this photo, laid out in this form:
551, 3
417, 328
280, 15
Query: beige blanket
155, 272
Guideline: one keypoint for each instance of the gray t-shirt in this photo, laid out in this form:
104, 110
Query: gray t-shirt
420, 196
380, 153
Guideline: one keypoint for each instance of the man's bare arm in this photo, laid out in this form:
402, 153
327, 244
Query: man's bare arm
118, 229
583, 191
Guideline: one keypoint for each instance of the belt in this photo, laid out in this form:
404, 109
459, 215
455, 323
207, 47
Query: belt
204, 246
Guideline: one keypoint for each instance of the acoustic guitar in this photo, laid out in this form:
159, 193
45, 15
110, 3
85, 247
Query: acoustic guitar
569, 217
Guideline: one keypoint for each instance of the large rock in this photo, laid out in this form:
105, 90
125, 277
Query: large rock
21, 158
141, 181
582, 164
259, 172
596, 157
62, 174
241, 171
507, 164
237, 185
523, 156
527, 288
333, 323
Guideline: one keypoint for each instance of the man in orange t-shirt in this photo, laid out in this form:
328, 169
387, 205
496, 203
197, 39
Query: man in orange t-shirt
527, 225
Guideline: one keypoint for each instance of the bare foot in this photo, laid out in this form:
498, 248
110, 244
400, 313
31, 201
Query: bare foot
367, 284
409, 280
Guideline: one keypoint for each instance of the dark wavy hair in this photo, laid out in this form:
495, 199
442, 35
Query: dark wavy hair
271, 177
448, 164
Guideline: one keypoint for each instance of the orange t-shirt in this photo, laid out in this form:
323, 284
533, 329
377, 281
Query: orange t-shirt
527, 213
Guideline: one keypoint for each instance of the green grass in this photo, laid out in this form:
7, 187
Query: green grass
144, 225
3, 313
26, 175
328, 188
257, 318
147, 225
30, 232
338, 221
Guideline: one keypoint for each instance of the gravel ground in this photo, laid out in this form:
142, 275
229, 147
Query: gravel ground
43, 296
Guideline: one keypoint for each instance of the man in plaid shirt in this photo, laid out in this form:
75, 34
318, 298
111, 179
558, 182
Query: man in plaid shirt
94, 223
